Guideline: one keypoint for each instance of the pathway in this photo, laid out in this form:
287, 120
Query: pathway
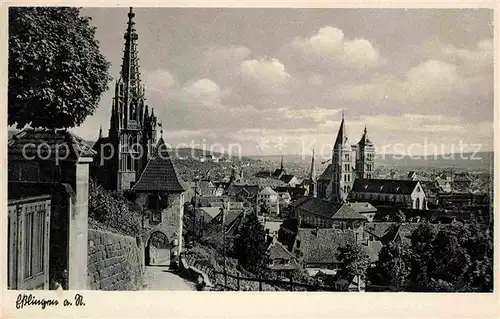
161, 278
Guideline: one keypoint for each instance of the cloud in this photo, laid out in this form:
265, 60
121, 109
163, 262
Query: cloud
471, 61
317, 114
271, 72
330, 45
203, 92
159, 80
431, 80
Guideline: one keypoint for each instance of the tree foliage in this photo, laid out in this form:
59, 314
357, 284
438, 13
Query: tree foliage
455, 257
56, 70
251, 247
111, 210
354, 261
394, 265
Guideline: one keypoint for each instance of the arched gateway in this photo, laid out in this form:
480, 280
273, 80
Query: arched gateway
160, 194
158, 250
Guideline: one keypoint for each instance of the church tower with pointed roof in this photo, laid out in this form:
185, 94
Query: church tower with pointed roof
342, 166
313, 187
132, 130
365, 157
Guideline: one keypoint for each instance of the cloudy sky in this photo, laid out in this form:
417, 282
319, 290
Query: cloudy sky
276, 81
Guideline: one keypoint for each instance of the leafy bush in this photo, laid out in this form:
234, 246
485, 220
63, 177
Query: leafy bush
111, 210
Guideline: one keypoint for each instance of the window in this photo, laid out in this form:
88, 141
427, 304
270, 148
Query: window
371, 238
156, 216
345, 177
129, 163
153, 201
298, 244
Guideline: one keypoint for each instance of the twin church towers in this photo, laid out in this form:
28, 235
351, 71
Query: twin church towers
349, 162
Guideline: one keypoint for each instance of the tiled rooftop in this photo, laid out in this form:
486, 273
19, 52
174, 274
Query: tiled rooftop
60, 141
159, 174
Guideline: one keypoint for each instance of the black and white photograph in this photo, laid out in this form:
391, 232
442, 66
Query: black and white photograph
308, 150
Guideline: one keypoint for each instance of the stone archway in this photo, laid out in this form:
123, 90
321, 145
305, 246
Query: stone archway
158, 249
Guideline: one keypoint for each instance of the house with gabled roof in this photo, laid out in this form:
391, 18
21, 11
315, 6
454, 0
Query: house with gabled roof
290, 180
316, 212
282, 262
318, 248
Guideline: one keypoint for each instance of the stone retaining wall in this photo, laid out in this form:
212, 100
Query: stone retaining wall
115, 262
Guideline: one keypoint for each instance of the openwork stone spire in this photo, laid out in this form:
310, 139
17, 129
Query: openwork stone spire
130, 66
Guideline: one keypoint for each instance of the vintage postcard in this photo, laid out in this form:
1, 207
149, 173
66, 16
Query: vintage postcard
225, 160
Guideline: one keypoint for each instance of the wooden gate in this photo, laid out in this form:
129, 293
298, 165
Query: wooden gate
28, 243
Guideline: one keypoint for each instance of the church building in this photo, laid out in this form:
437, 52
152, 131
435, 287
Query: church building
348, 163
123, 154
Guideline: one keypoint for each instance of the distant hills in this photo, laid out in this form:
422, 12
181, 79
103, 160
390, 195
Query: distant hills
469, 161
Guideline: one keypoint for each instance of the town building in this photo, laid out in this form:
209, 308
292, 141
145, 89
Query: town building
123, 154
403, 193
282, 262
159, 191
269, 197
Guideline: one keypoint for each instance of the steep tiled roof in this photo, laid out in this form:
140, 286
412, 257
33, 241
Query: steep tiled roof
405, 230
363, 207
365, 141
327, 173
388, 186
277, 172
347, 212
321, 245
389, 231
341, 135
60, 141
320, 207
379, 229
263, 174
246, 190
299, 201
229, 216
287, 178
211, 211
278, 251
159, 174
